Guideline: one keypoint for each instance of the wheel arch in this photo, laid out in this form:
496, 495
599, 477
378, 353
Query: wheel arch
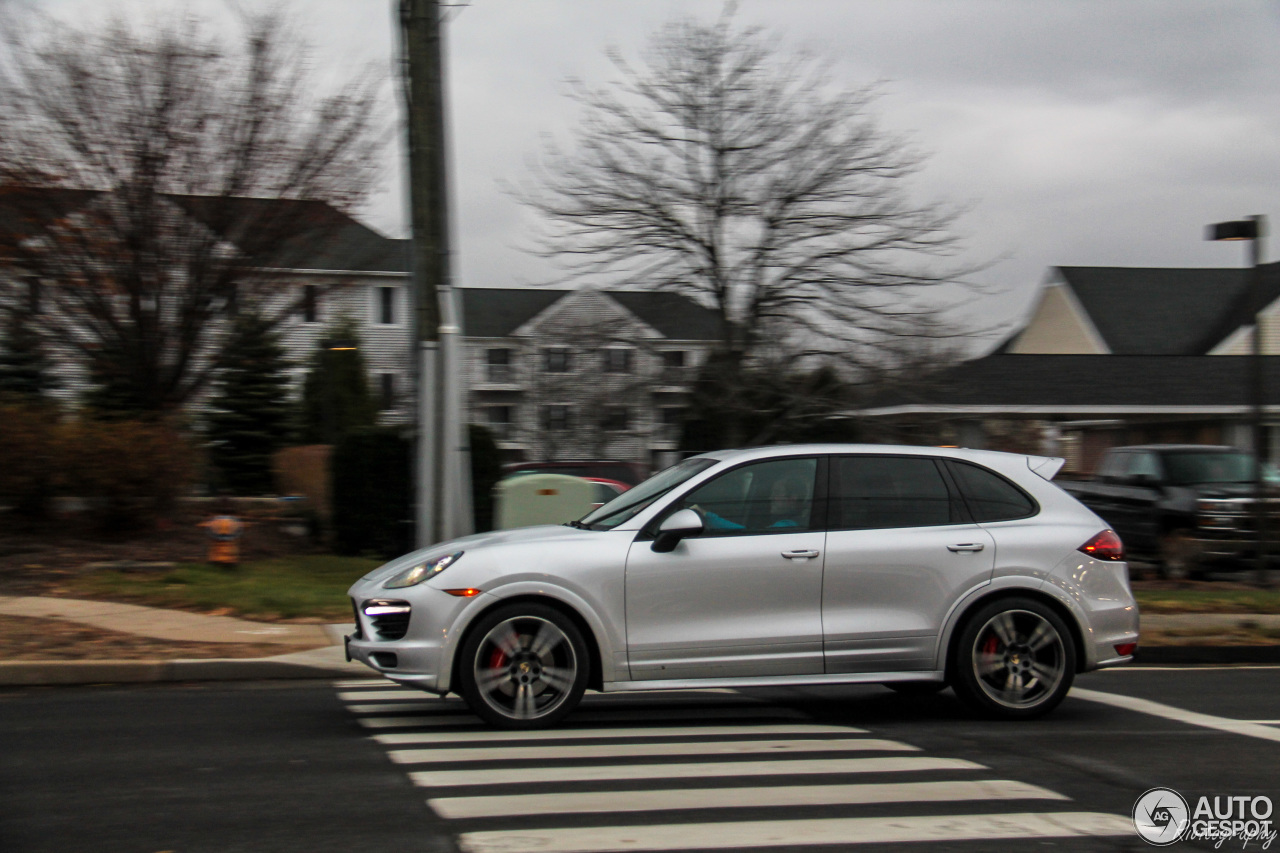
595, 673
987, 596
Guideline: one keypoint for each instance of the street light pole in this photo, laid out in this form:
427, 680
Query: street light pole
1252, 230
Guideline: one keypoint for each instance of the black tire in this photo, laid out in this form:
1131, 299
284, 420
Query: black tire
523, 666
916, 688
1014, 658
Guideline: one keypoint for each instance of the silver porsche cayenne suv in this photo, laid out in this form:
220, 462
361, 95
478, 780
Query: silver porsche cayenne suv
914, 567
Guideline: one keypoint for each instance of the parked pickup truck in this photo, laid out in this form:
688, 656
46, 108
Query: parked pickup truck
1186, 507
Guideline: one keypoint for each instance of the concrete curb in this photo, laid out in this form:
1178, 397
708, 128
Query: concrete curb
48, 673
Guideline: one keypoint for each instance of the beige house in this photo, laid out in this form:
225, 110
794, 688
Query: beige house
1112, 356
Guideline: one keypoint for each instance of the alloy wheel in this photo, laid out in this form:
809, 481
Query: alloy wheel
525, 669
1019, 659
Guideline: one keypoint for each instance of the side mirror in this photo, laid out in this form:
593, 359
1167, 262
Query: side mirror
677, 526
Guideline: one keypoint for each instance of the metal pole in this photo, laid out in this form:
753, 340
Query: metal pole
1258, 393
423, 91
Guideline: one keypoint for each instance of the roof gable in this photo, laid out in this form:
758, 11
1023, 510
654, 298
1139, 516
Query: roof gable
587, 310
1152, 311
1059, 324
491, 312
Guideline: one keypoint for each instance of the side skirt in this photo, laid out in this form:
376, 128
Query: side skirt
776, 680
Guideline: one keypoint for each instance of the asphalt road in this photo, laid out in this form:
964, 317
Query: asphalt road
321, 766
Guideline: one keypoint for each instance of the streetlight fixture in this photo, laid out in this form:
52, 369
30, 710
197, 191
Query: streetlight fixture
1253, 230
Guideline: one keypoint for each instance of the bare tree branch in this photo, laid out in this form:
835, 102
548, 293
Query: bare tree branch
719, 168
148, 177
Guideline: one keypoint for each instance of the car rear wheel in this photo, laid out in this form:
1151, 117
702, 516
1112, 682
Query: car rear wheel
523, 666
1014, 659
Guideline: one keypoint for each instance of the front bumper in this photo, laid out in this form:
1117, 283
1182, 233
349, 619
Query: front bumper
1228, 547
413, 648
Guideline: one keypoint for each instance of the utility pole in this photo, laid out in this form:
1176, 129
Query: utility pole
442, 505
1254, 230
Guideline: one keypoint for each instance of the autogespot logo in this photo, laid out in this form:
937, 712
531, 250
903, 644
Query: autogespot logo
1161, 816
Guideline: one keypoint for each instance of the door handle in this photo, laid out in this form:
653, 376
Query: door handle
968, 547
802, 554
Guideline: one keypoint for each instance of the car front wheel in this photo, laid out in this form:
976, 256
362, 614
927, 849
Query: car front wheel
1014, 659
523, 666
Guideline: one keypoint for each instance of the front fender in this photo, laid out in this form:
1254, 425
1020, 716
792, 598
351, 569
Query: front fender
612, 650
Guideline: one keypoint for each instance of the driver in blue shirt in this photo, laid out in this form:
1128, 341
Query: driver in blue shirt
787, 499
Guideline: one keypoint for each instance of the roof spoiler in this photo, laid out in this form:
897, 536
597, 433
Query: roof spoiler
1046, 466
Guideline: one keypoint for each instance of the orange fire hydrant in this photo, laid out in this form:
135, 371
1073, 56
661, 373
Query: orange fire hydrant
224, 539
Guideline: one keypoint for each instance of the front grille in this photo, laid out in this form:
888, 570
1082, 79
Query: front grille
390, 619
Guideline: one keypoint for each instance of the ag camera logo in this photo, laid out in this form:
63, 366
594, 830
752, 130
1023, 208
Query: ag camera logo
1161, 816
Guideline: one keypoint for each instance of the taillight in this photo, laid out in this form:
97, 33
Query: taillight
1105, 546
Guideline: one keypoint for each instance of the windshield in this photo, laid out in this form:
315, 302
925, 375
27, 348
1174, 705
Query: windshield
629, 503
1187, 469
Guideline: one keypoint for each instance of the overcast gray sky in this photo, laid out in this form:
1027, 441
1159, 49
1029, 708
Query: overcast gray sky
1079, 132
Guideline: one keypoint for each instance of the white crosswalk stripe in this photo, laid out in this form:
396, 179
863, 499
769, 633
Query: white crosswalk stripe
727, 769
798, 833
595, 802
581, 717
597, 765
490, 735
445, 755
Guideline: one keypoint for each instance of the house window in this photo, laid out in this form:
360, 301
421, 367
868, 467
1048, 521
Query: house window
673, 365
500, 420
387, 391
556, 360
499, 365
310, 301
615, 419
555, 418
386, 305
617, 360
672, 421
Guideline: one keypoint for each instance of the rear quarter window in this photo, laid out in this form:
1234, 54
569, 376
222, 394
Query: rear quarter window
991, 497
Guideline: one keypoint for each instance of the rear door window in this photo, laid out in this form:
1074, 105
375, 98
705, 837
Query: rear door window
871, 492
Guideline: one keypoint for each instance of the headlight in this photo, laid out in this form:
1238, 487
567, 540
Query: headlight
421, 572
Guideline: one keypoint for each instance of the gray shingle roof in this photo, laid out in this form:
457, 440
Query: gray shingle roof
1152, 311
1083, 381
493, 312
676, 317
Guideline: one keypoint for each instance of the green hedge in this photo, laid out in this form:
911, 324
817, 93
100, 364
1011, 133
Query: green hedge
373, 489
373, 493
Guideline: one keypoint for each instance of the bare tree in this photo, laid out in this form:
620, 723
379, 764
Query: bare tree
154, 178
748, 180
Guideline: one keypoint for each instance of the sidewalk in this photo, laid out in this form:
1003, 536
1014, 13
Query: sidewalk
308, 651
319, 652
